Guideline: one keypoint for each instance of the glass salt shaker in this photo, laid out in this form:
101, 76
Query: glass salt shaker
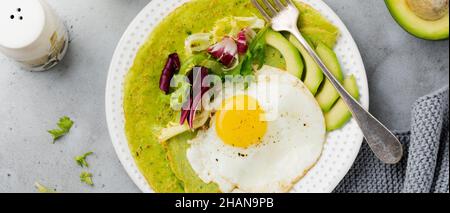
32, 34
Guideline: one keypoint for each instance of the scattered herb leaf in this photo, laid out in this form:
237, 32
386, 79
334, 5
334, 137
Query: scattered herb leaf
64, 125
86, 177
43, 189
81, 160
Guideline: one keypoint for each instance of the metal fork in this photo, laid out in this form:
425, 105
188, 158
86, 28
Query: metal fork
283, 17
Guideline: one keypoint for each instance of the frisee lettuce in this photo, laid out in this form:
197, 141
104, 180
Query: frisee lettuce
174, 129
230, 26
64, 124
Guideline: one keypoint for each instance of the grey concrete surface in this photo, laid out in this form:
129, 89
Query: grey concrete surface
400, 69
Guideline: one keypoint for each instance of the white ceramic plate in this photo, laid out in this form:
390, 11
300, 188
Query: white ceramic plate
340, 150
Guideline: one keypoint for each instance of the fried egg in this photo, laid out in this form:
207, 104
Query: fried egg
261, 139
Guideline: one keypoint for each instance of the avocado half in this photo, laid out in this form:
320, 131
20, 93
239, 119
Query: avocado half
426, 19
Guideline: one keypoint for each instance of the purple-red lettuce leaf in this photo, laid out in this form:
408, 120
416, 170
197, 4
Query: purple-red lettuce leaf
225, 51
172, 66
197, 75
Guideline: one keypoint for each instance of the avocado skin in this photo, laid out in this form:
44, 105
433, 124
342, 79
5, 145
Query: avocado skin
420, 28
328, 95
294, 62
339, 115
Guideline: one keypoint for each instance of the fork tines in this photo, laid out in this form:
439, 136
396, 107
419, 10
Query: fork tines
272, 8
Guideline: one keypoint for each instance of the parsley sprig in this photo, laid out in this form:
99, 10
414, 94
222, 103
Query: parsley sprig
64, 124
81, 160
86, 177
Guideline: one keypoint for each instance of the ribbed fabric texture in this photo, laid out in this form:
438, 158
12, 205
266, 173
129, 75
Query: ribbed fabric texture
425, 166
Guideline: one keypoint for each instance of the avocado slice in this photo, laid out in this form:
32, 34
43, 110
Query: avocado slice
314, 76
316, 36
274, 58
426, 19
294, 63
328, 95
313, 25
339, 115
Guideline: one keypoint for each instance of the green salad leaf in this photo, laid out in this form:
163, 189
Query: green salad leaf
255, 53
64, 124
182, 94
81, 160
191, 62
86, 177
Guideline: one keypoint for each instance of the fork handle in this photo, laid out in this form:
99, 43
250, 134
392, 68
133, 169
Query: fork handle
382, 141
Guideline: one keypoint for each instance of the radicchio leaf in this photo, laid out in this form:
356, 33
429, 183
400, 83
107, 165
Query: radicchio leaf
172, 66
185, 111
225, 51
241, 42
196, 76
196, 104
243, 39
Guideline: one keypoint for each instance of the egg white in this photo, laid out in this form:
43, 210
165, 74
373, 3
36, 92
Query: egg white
291, 146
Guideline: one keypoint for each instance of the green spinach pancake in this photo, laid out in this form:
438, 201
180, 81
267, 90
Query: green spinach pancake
148, 109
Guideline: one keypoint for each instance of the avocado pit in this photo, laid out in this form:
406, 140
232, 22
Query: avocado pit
430, 10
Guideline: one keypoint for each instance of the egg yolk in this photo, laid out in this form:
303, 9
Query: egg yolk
240, 122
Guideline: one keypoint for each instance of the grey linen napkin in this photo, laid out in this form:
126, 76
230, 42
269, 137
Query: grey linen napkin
425, 167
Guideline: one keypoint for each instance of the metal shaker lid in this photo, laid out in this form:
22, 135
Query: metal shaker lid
21, 22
